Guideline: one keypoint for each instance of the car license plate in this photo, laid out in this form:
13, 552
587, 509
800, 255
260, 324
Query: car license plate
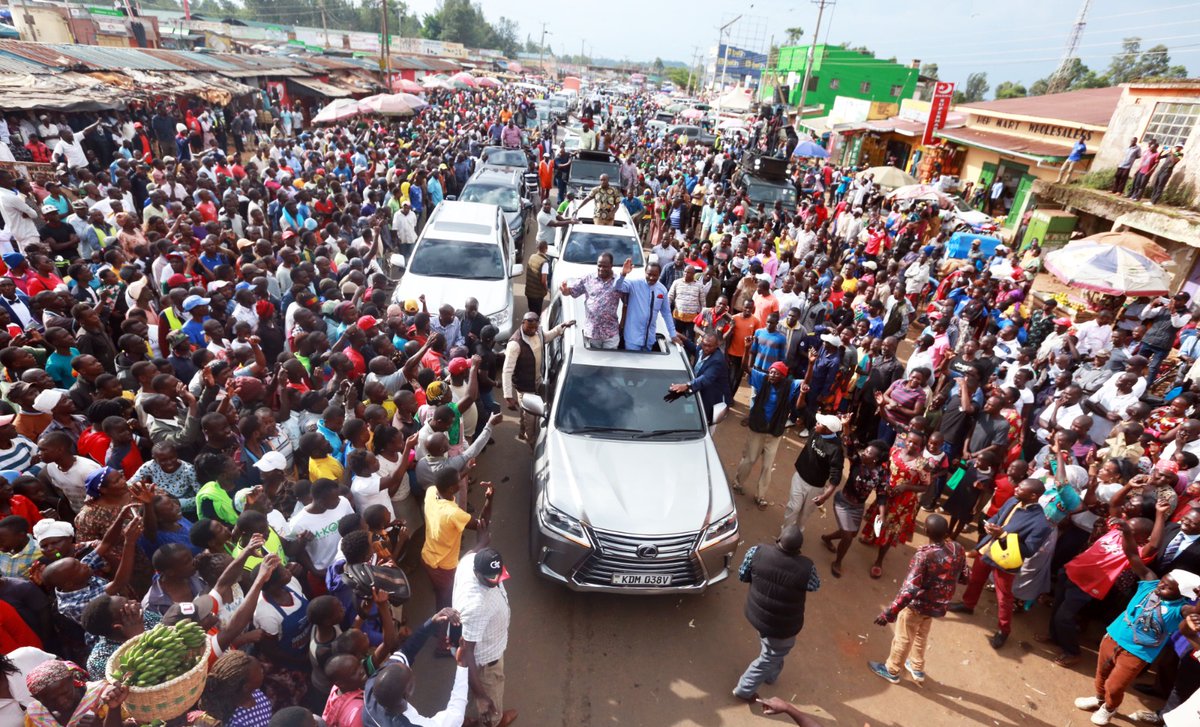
640, 579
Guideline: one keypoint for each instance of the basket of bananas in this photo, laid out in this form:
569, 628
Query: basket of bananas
165, 669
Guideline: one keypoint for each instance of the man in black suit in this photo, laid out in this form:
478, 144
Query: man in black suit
1181, 545
711, 371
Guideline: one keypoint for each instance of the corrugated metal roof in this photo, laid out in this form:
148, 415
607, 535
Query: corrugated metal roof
102, 58
42, 53
10, 63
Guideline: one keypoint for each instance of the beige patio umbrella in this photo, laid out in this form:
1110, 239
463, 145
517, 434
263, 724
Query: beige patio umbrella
1132, 241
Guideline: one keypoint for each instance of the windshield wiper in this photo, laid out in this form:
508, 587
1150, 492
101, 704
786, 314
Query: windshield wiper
601, 429
658, 432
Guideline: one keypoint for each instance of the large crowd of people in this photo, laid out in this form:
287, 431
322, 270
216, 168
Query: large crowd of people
214, 410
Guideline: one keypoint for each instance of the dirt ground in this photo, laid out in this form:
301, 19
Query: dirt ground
589, 660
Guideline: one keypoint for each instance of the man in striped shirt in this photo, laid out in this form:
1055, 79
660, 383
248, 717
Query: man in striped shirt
16, 452
687, 296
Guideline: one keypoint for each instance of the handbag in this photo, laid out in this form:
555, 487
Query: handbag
1005, 551
365, 578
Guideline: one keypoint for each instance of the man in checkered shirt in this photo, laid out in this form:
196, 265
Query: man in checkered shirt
482, 602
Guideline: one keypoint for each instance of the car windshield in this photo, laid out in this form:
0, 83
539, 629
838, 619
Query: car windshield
960, 205
506, 158
626, 403
770, 194
506, 197
581, 169
456, 259
585, 247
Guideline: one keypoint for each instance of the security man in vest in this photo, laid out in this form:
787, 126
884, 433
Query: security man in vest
524, 371
780, 580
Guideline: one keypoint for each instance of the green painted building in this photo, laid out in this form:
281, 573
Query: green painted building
837, 71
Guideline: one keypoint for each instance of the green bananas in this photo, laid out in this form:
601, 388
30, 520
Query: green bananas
161, 654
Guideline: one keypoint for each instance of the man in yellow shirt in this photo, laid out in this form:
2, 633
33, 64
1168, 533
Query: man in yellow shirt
445, 522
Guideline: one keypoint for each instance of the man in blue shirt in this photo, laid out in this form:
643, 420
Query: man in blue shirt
774, 394
1076, 156
767, 346
197, 308
647, 300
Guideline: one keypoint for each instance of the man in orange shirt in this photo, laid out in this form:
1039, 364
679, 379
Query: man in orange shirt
742, 328
545, 176
765, 303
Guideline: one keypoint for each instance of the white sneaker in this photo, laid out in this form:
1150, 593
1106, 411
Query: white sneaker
1088, 703
1102, 715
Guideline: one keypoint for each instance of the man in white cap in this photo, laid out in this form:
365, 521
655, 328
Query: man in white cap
1136, 637
818, 471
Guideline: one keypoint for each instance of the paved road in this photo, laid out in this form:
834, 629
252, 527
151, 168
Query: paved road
588, 660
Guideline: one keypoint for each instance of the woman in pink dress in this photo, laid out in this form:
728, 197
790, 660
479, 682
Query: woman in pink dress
892, 518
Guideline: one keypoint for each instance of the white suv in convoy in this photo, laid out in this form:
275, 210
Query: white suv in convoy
629, 495
464, 251
574, 254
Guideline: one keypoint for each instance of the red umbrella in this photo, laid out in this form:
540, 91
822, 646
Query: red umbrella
403, 85
464, 77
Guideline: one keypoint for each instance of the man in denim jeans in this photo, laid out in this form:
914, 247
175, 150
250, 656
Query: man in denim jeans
780, 580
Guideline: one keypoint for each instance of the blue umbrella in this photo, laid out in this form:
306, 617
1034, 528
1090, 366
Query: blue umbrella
810, 149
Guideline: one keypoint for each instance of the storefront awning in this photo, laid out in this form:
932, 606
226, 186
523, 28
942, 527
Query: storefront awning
321, 88
1031, 149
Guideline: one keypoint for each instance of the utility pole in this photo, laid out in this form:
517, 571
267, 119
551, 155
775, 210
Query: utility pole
542, 50
386, 45
724, 62
808, 58
324, 23
692, 67
1060, 77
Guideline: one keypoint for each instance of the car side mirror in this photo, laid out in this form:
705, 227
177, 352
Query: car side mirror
516, 271
451, 198
397, 260
533, 404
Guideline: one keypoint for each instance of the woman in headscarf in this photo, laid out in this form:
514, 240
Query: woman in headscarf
107, 495
63, 697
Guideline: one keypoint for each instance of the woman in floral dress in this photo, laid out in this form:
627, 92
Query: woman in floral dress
1161, 424
107, 496
897, 506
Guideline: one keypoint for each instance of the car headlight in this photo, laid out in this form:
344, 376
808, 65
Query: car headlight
500, 317
720, 529
559, 522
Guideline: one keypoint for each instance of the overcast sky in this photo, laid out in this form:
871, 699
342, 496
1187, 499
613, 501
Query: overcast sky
1014, 40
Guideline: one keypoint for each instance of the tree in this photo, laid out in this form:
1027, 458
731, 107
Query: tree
1132, 63
929, 70
793, 35
925, 90
505, 34
973, 90
679, 76
1010, 89
658, 66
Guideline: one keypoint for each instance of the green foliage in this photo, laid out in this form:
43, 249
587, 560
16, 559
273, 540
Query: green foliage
973, 90
1099, 179
793, 35
679, 77
1010, 89
657, 66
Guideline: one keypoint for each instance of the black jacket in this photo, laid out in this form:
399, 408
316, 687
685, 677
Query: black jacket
821, 460
779, 585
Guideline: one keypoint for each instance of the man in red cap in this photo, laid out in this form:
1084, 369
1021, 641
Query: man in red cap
459, 369
774, 395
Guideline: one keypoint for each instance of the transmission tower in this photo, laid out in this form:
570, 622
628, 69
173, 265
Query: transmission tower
1061, 76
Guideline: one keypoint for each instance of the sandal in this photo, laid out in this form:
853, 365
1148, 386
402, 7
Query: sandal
835, 570
876, 572
1066, 661
761, 503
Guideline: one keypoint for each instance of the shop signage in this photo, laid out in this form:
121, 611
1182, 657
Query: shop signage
943, 94
1038, 128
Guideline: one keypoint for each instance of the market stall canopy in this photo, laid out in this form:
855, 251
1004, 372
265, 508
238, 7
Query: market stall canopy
59, 92
321, 88
391, 104
915, 192
728, 124
810, 149
889, 177
431, 82
692, 114
463, 79
489, 82
1132, 241
1107, 269
735, 99
337, 110
403, 85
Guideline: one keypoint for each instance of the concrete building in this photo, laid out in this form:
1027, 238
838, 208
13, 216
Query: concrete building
837, 71
1168, 112
1022, 140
